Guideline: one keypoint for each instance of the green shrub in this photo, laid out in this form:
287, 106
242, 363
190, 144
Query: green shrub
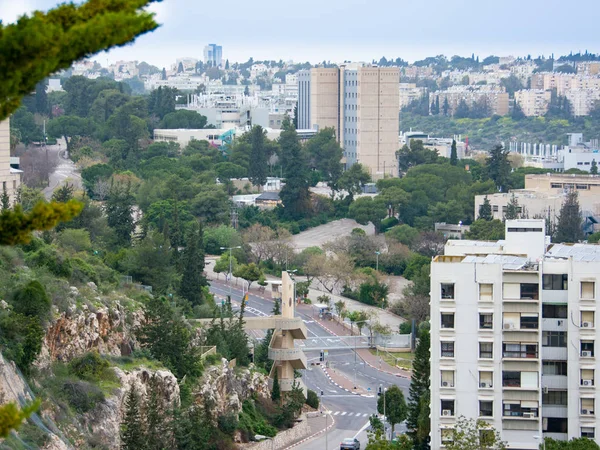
227, 423
312, 399
31, 300
82, 272
48, 257
21, 339
388, 223
81, 395
75, 239
89, 366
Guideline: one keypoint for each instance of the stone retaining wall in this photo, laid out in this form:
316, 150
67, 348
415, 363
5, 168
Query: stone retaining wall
283, 439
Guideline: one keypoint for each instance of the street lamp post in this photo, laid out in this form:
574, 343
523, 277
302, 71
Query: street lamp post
377, 264
230, 274
355, 338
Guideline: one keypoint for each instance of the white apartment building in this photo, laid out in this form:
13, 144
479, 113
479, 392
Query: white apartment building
409, 92
523, 358
583, 100
496, 98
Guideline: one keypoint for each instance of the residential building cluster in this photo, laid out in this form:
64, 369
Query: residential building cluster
493, 98
523, 358
10, 177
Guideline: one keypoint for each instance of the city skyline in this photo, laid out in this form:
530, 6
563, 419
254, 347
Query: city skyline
339, 31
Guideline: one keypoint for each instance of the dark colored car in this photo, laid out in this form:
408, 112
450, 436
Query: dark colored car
350, 444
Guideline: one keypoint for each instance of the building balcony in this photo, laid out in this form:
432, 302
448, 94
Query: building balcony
555, 353
285, 385
555, 381
554, 324
295, 356
559, 411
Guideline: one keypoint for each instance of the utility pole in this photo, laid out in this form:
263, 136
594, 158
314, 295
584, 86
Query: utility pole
377, 264
230, 274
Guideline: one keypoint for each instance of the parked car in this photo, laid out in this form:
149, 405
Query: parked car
350, 444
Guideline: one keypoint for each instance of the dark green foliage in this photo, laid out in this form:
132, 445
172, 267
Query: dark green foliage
312, 399
119, 212
374, 293
276, 390
573, 444
158, 432
21, 339
227, 423
89, 366
257, 169
294, 195
132, 426
193, 279
485, 210
227, 333
367, 209
498, 167
162, 101
414, 155
512, 209
569, 223
95, 173
486, 230
419, 388
82, 396
594, 168
31, 300
395, 406
168, 337
183, 119
453, 154
55, 262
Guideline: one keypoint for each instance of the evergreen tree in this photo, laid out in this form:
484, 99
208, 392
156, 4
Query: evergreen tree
227, 64
276, 392
119, 212
594, 168
453, 153
569, 223
419, 385
132, 426
180, 68
485, 210
64, 193
158, 436
437, 105
498, 167
512, 209
446, 107
257, 170
295, 122
163, 74
295, 195
4, 199
193, 279
41, 98
261, 353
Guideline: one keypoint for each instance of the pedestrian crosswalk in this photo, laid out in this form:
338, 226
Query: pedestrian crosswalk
348, 414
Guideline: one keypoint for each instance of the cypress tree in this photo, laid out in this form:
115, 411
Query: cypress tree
485, 210
512, 209
453, 154
257, 171
295, 194
119, 212
4, 199
569, 223
193, 279
158, 431
275, 392
419, 383
132, 429
498, 167
594, 168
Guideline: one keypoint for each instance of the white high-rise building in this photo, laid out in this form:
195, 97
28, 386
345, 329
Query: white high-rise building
213, 55
523, 358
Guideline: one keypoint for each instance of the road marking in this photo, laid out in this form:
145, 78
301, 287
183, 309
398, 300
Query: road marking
344, 413
336, 413
365, 414
350, 414
364, 427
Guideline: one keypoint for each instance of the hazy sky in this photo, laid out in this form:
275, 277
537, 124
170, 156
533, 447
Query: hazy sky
339, 30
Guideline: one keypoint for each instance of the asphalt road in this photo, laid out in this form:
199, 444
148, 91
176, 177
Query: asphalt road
65, 171
349, 411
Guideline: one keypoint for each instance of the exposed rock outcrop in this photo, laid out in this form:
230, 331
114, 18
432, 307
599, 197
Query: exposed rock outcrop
224, 389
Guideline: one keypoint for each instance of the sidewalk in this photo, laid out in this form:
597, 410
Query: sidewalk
344, 382
316, 423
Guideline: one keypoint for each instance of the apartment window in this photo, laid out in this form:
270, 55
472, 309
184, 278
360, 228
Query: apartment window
447, 349
587, 319
554, 368
556, 425
587, 406
587, 349
486, 408
525, 409
530, 291
556, 398
555, 282
486, 379
447, 378
447, 435
588, 432
556, 185
554, 339
587, 377
511, 379
529, 321
447, 320
588, 290
447, 407
486, 292
448, 291
486, 321
519, 350
486, 350
554, 311
494, 208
